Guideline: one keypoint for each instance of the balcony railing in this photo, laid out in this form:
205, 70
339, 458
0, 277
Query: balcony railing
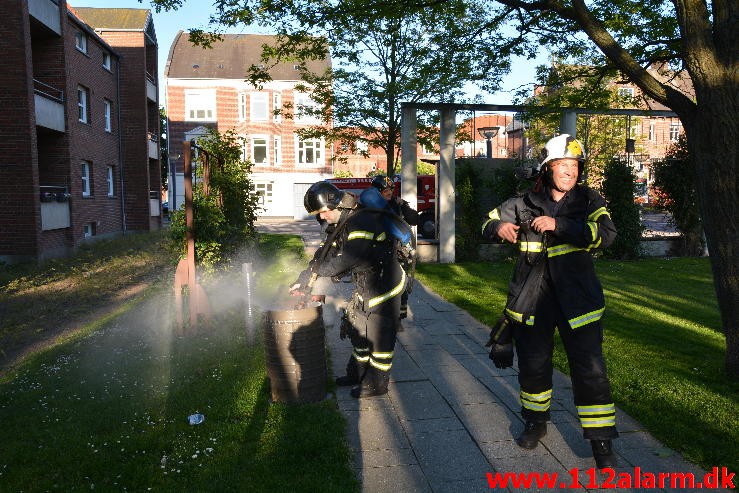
49, 106
47, 13
54, 207
152, 143
48, 91
154, 203
151, 87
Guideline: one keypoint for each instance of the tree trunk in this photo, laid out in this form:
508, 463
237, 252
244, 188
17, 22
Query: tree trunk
713, 133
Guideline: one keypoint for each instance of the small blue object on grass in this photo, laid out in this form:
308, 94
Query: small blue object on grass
195, 419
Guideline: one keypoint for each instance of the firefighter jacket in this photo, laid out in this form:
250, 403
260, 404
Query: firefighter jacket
563, 256
364, 248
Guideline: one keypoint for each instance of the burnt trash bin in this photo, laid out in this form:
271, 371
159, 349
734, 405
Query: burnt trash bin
296, 354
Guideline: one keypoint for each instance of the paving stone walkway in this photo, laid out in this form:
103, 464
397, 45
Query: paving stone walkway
450, 416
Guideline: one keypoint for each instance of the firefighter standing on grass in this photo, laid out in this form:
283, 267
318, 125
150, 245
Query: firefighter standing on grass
360, 245
556, 225
403, 209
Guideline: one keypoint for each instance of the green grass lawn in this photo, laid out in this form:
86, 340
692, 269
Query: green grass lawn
108, 412
663, 344
38, 303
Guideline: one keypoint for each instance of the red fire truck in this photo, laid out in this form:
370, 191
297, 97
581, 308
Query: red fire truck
426, 198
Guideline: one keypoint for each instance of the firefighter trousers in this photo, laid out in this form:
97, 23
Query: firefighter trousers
591, 388
373, 343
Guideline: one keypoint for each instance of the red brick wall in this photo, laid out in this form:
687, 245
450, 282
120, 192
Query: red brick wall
90, 142
19, 210
139, 179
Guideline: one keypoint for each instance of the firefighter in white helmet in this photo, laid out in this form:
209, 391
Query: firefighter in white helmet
556, 226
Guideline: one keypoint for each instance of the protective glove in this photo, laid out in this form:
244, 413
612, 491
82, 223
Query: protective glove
501, 343
502, 355
501, 332
300, 284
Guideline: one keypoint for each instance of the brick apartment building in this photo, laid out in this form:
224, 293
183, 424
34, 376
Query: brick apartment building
206, 88
63, 164
131, 32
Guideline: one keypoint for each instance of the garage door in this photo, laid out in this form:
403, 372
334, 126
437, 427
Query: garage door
299, 190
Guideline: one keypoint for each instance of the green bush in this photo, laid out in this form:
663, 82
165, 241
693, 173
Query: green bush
674, 191
468, 235
223, 219
618, 189
424, 168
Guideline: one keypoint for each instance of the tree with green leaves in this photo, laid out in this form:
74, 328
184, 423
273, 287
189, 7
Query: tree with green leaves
379, 60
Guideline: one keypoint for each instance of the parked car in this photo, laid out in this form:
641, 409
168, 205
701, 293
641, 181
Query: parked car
165, 207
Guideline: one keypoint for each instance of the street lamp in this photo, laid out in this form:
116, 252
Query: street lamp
488, 133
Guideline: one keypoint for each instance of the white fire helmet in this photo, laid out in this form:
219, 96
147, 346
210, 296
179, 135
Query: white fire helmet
562, 146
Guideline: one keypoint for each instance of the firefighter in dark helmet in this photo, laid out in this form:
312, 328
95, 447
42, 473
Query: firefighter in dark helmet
403, 209
360, 246
556, 226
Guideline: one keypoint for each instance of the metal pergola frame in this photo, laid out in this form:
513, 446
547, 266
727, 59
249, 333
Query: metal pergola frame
445, 190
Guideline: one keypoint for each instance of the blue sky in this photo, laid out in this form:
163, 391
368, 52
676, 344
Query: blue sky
195, 13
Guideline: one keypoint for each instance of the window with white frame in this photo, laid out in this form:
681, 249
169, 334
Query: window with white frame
111, 182
259, 107
259, 154
200, 105
310, 151
264, 191
80, 41
652, 135
107, 108
106, 61
277, 106
88, 230
83, 101
278, 150
303, 107
86, 177
626, 92
242, 106
674, 131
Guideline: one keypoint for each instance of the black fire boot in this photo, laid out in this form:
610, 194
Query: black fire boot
365, 390
353, 372
532, 433
375, 382
603, 454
